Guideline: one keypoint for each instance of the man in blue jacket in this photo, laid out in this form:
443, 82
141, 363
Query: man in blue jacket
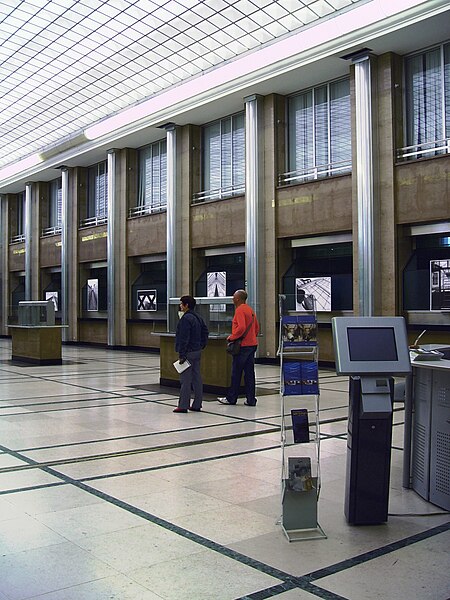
190, 339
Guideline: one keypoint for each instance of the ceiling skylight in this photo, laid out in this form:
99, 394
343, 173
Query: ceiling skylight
66, 64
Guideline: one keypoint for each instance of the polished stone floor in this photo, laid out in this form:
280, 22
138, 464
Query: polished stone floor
105, 493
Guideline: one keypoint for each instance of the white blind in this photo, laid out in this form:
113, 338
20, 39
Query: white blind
56, 203
319, 130
424, 98
153, 175
224, 154
98, 191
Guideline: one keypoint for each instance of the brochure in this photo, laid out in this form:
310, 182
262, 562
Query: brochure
182, 367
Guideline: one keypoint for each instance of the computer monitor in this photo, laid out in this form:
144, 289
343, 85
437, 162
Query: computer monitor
370, 345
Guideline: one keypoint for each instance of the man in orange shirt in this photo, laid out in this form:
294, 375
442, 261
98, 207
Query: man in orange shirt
245, 325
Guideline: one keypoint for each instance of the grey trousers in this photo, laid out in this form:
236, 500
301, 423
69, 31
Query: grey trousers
191, 379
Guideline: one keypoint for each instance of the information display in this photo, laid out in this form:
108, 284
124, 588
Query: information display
370, 346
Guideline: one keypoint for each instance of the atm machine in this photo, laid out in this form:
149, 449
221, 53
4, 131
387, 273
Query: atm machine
371, 350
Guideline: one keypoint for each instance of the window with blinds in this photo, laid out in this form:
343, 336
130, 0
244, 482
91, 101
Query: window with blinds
98, 193
319, 133
55, 204
152, 195
427, 89
223, 159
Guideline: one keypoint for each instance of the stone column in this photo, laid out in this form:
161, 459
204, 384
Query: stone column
254, 200
28, 241
365, 172
4, 266
116, 248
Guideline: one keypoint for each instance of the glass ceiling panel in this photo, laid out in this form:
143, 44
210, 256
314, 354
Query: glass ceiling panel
66, 64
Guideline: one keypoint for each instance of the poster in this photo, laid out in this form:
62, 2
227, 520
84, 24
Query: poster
313, 293
52, 296
439, 284
216, 287
299, 330
92, 294
147, 300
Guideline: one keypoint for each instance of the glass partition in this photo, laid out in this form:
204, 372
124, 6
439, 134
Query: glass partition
217, 312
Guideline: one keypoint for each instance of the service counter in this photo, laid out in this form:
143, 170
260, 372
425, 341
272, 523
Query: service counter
426, 467
37, 344
215, 364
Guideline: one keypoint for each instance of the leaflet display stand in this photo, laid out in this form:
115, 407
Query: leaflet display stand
300, 480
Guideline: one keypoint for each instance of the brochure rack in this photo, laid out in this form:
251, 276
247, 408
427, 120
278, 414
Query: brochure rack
300, 480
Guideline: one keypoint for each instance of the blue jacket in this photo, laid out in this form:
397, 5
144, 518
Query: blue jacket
191, 334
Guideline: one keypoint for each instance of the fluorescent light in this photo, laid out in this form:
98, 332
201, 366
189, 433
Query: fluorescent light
20, 166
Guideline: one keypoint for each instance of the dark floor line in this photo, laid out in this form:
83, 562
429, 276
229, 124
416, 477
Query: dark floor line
377, 552
131, 437
60, 402
276, 590
270, 592
32, 488
132, 452
71, 408
304, 581
193, 461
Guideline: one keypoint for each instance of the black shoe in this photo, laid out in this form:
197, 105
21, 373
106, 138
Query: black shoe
195, 409
225, 400
180, 410
247, 404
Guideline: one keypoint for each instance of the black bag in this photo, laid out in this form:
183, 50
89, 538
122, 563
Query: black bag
234, 347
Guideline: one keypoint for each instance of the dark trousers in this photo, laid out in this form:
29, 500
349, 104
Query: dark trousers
191, 379
244, 362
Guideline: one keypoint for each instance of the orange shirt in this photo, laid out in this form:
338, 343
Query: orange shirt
241, 320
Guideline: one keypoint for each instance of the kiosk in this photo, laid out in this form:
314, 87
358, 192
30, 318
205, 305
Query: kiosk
371, 350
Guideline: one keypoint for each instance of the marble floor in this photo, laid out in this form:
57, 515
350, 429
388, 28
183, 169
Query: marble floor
105, 493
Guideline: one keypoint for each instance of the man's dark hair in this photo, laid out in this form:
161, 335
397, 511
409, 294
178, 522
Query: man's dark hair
189, 300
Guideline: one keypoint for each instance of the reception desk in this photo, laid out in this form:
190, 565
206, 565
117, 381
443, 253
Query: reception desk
215, 365
426, 465
36, 344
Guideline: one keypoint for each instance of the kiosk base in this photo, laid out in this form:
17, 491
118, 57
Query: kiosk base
369, 450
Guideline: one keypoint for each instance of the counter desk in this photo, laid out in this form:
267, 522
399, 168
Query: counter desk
426, 466
215, 364
37, 344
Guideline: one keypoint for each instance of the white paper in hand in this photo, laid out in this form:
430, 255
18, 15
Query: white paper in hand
182, 367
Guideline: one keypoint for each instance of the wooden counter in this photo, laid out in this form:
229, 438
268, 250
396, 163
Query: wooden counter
215, 364
40, 345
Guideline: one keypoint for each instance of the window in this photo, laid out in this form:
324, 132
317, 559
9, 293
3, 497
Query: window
56, 204
98, 192
223, 159
319, 133
152, 179
18, 228
427, 88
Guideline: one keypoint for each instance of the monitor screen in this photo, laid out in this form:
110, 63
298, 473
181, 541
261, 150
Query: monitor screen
372, 344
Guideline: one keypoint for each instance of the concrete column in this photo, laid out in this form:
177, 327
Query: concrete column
4, 267
35, 240
116, 248
172, 231
66, 251
366, 186
254, 198
28, 245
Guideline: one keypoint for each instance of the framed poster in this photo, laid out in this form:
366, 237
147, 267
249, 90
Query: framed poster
439, 284
92, 294
313, 293
52, 296
146, 300
216, 287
